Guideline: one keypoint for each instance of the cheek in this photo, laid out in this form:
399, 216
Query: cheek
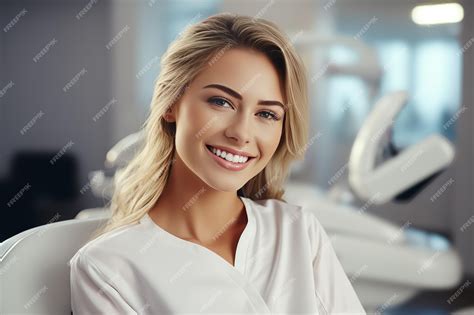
197, 120
271, 137
268, 140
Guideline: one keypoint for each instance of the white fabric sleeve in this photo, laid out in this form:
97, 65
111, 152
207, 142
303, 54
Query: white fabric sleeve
91, 293
333, 289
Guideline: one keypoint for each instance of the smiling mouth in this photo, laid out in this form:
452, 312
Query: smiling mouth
210, 150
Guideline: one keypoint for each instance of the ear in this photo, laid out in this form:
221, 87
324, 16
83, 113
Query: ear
170, 115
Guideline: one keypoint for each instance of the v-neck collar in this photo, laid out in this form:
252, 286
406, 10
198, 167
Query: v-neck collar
241, 252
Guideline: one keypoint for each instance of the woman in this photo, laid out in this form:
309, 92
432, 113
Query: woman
198, 221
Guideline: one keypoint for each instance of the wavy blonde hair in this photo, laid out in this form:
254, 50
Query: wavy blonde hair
139, 185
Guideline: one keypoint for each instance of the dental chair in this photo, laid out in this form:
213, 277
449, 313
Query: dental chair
34, 270
381, 259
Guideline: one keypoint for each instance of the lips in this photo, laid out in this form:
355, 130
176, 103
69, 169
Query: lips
232, 151
209, 147
227, 164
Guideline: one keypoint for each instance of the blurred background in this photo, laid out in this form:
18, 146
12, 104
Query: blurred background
77, 76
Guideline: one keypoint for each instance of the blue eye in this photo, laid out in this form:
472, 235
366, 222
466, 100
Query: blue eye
219, 101
272, 115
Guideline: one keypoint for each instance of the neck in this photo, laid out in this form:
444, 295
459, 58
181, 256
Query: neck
192, 210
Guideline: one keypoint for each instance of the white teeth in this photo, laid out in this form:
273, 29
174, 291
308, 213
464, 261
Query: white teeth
229, 156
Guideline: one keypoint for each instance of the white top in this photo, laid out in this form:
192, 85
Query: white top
284, 263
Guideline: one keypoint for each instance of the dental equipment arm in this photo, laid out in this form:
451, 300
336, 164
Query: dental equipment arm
408, 171
366, 67
124, 150
118, 156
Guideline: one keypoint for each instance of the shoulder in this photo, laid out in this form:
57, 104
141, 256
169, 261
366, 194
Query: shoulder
279, 213
284, 211
275, 207
111, 245
292, 218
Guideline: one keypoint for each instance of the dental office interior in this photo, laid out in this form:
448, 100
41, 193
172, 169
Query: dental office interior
388, 169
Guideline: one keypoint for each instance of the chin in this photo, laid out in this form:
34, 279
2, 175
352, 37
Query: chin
221, 185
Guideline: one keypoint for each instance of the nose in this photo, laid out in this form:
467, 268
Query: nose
239, 129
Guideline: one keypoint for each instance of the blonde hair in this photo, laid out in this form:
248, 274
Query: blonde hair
139, 185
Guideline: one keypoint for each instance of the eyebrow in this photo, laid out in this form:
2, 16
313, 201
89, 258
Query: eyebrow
238, 96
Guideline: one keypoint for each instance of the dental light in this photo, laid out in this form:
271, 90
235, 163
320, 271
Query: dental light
437, 13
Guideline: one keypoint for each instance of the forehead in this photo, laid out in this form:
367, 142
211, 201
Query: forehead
246, 71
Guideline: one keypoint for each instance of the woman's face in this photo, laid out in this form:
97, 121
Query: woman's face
234, 103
